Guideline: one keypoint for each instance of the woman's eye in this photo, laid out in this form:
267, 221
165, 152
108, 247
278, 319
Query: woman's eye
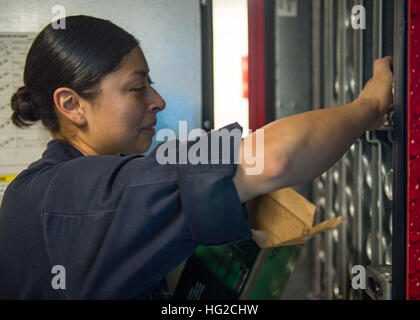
142, 89
139, 89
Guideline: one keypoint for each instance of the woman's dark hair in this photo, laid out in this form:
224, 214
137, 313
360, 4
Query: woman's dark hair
77, 57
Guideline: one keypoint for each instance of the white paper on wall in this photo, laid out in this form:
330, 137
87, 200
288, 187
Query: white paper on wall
18, 147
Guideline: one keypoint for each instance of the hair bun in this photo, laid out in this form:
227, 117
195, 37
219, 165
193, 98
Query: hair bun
24, 108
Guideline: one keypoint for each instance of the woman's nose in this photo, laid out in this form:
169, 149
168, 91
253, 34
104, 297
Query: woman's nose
158, 103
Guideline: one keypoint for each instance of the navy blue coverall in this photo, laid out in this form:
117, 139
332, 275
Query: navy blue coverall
117, 224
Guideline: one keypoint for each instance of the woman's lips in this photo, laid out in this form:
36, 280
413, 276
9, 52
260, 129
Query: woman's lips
148, 131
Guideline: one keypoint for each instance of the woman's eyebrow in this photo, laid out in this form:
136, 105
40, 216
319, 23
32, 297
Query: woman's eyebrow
135, 75
141, 73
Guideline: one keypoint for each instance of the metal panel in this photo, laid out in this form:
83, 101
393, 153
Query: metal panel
293, 62
293, 87
358, 186
292, 94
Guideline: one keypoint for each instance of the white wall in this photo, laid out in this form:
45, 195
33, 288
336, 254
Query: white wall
230, 41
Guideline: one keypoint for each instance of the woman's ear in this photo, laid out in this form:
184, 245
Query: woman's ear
69, 104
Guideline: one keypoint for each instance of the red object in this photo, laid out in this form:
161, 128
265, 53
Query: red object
245, 83
413, 153
256, 25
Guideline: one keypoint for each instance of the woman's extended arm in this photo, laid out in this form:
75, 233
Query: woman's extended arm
300, 148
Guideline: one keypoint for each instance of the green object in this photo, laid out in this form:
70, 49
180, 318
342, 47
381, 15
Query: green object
270, 272
276, 271
225, 264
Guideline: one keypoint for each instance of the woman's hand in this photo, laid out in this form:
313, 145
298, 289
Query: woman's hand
378, 90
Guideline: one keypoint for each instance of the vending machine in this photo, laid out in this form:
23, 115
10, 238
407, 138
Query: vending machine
306, 55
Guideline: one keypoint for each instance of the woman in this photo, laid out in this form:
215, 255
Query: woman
117, 222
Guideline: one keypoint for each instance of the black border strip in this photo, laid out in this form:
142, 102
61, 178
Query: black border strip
399, 219
206, 11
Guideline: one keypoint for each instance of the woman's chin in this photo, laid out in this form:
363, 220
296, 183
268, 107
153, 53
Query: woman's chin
144, 146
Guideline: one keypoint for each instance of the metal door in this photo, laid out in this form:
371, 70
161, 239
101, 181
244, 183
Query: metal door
360, 185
